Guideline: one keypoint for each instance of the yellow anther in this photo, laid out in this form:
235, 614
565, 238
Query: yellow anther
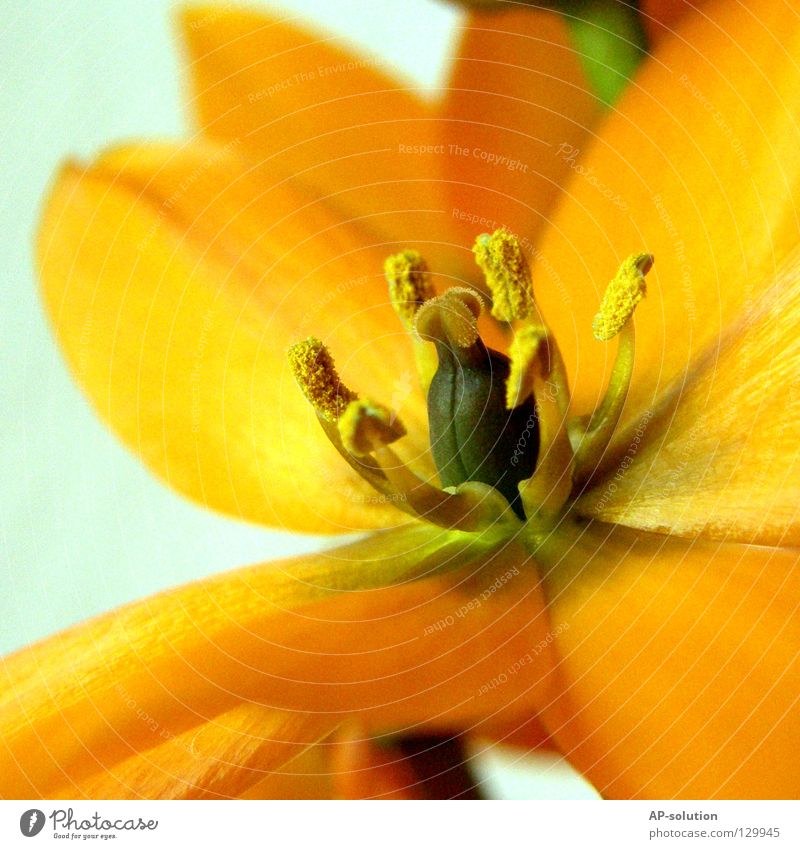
525, 353
622, 296
452, 317
501, 258
365, 426
409, 284
313, 368
591, 437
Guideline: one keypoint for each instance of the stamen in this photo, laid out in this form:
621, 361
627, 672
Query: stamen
451, 318
409, 284
507, 273
525, 350
533, 354
315, 372
366, 426
409, 288
622, 296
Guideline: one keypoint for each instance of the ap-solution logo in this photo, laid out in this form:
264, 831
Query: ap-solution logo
31, 822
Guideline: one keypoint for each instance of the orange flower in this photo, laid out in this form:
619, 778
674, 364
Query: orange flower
643, 617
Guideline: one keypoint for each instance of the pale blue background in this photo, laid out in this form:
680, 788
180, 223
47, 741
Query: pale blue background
83, 526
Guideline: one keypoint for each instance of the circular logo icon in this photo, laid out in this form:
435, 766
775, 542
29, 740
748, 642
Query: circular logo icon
31, 822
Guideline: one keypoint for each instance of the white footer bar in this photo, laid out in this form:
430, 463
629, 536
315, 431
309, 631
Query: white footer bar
402, 825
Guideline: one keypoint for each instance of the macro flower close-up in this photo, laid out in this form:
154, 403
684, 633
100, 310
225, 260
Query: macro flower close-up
528, 338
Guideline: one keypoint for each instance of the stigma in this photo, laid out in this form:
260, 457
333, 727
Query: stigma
508, 451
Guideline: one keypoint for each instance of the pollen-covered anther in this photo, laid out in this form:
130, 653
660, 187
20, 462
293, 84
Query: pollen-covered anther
451, 318
591, 436
409, 284
315, 372
508, 275
365, 426
528, 351
622, 296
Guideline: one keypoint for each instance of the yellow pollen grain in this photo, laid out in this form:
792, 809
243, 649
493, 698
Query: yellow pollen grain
409, 283
523, 352
365, 426
501, 258
622, 296
315, 372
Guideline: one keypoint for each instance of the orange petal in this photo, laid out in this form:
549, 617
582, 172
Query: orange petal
327, 117
721, 457
305, 777
176, 278
698, 166
312, 639
242, 752
516, 94
679, 665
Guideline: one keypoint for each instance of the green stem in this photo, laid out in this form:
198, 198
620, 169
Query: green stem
609, 37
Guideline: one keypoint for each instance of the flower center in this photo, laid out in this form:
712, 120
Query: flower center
506, 448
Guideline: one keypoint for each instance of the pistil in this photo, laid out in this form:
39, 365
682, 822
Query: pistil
474, 436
